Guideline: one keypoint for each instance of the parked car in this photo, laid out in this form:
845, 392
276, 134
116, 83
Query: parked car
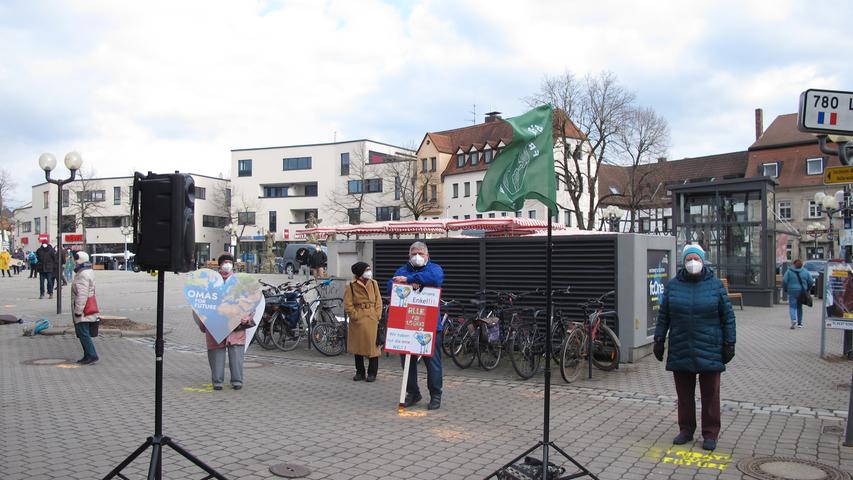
288, 261
815, 269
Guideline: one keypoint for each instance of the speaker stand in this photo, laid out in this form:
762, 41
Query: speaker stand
158, 440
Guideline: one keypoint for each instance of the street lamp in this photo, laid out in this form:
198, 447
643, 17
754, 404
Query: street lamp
815, 230
47, 162
831, 204
125, 231
613, 214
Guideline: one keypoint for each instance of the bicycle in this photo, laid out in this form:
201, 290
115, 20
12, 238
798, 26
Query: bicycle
449, 326
297, 317
527, 339
592, 335
272, 298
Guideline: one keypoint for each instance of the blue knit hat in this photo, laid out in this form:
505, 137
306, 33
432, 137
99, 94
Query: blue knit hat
688, 249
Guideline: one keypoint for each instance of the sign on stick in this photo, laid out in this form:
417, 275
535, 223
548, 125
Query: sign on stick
412, 320
826, 111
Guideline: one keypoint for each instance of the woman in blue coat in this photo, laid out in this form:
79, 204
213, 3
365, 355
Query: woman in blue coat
793, 282
698, 316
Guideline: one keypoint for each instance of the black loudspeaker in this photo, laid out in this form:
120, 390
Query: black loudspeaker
163, 211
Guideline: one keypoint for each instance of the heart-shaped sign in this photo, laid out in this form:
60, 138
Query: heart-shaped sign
222, 304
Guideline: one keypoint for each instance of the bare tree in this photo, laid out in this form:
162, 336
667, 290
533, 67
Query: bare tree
413, 187
356, 197
597, 107
85, 201
7, 184
235, 210
644, 137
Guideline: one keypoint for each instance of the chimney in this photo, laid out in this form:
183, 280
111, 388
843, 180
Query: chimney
493, 116
759, 123
661, 159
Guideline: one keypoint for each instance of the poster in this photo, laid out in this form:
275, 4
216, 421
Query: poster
839, 295
221, 304
657, 275
412, 320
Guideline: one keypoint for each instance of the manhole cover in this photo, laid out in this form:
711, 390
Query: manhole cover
833, 429
46, 361
785, 468
289, 470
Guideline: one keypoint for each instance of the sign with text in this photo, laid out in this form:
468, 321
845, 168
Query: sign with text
826, 111
43, 238
839, 295
657, 274
72, 238
412, 320
834, 175
222, 305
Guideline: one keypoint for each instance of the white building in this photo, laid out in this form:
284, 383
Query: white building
105, 202
276, 189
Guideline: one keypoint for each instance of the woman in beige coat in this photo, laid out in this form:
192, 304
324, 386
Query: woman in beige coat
363, 305
83, 287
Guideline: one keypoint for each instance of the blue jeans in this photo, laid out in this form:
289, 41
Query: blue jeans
433, 366
45, 277
82, 330
795, 308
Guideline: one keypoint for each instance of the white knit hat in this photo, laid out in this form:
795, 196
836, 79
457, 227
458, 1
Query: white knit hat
81, 257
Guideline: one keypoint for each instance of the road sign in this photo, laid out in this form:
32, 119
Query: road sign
834, 175
826, 111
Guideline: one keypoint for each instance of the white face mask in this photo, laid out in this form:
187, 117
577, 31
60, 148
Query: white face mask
44, 245
417, 260
227, 267
367, 275
693, 266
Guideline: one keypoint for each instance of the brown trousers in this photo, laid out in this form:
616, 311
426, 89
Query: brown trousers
709, 387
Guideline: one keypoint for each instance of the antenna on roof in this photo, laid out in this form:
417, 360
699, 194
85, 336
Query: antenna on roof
335, 137
474, 114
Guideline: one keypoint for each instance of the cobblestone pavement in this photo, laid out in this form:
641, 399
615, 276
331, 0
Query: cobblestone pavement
57, 421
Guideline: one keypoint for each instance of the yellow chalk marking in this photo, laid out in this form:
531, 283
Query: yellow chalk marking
205, 389
404, 413
689, 458
67, 365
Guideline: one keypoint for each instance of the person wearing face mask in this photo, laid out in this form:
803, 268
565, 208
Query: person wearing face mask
318, 262
419, 272
697, 314
83, 287
47, 264
233, 345
363, 305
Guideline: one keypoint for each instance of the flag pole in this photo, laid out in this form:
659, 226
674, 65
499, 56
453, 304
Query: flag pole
546, 429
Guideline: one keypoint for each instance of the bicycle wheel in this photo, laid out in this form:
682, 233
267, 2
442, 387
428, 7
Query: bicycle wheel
570, 364
606, 349
522, 351
328, 335
463, 348
488, 351
263, 335
282, 336
449, 330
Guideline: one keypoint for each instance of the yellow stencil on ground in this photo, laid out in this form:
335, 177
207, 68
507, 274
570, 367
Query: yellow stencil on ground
205, 389
410, 413
685, 457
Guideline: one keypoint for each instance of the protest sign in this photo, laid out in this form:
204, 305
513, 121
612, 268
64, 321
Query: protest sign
839, 295
412, 320
222, 304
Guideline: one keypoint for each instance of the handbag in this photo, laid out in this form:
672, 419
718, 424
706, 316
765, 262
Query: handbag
91, 306
804, 297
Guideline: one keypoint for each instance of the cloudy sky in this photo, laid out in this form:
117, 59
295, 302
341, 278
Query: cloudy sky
164, 85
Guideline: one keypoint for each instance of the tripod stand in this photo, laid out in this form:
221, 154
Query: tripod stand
546, 443
158, 440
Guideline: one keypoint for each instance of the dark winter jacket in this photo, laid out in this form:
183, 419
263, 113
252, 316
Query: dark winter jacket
318, 259
697, 314
430, 275
794, 281
46, 259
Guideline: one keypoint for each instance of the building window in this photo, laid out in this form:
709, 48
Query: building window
311, 190
91, 196
273, 223
213, 221
487, 156
814, 209
397, 188
424, 197
475, 157
228, 197
275, 191
455, 190
467, 189
373, 185
46, 196
518, 214
117, 195
200, 194
479, 185
387, 213
456, 217
354, 216
26, 227
355, 186
814, 166
531, 214
785, 211
38, 224
296, 163
345, 163
770, 169
503, 214
568, 218
479, 215
433, 164
424, 165
433, 192
460, 160
376, 157
492, 215
244, 168
467, 217
107, 222
245, 218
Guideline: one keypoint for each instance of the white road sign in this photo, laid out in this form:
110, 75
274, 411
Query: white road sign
826, 111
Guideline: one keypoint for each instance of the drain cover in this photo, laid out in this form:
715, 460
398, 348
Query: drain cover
289, 470
46, 361
785, 468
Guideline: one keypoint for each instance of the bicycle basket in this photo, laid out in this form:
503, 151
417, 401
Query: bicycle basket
493, 329
292, 296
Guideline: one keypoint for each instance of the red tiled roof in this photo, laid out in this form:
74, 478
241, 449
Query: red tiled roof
782, 132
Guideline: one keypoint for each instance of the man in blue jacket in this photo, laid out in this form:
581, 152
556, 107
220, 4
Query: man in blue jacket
420, 272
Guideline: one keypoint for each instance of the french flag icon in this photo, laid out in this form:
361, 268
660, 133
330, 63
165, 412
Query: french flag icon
821, 118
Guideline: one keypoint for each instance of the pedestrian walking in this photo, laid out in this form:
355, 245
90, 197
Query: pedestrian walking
84, 307
5, 263
697, 314
47, 263
363, 306
798, 284
32, 262
69, 265
19, 260
419, 272
232, 346
303, 258
318, 262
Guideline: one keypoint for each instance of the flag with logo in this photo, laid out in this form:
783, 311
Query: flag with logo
525, 168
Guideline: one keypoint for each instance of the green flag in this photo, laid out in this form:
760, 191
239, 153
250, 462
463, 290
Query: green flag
525, 168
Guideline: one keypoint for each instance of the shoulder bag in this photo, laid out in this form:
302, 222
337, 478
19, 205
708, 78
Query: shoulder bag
91, 307
805, 297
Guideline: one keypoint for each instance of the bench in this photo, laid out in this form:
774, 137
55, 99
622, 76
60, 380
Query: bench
732, 296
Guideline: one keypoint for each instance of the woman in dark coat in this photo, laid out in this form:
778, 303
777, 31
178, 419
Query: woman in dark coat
697, 314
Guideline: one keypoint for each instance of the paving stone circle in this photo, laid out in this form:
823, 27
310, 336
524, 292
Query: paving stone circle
786, 468
289, 470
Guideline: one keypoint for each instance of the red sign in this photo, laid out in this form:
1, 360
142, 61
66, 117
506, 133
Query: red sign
412, 320
43, 238
286, 233
25, 240
73, 238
